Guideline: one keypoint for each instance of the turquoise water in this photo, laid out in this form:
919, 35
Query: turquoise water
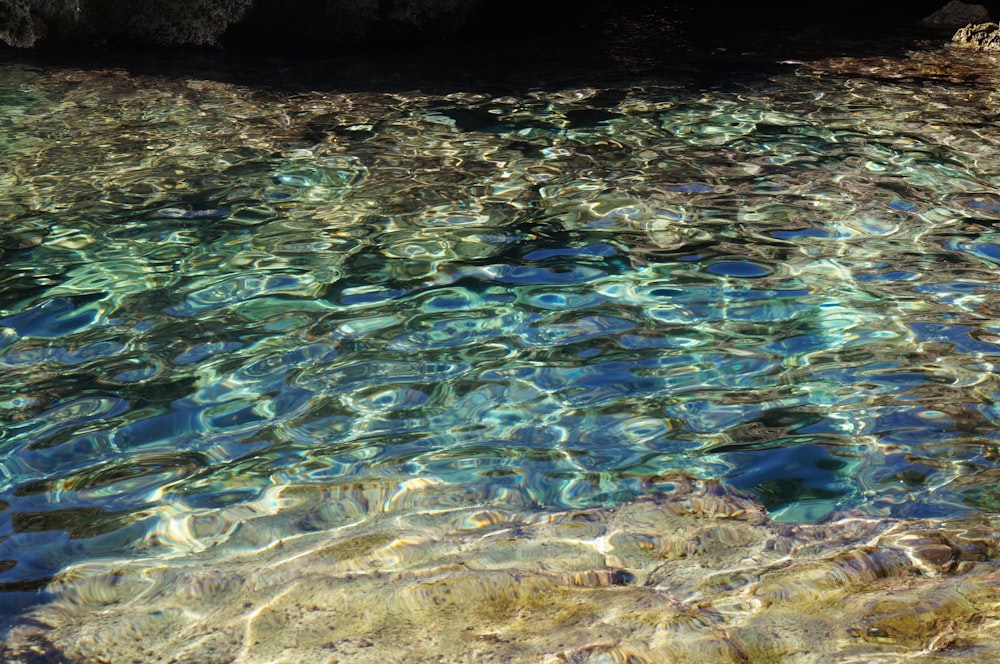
211, 292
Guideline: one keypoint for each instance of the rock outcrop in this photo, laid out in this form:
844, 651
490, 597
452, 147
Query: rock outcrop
957, 14
983, 36
26, 23
16, 27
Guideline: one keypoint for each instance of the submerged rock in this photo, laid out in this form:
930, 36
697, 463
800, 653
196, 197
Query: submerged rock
693, 574
957, 14
983, 36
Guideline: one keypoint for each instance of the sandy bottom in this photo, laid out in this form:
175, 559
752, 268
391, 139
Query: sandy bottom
692, 575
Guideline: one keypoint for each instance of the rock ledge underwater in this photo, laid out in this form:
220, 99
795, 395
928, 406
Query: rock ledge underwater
692, 574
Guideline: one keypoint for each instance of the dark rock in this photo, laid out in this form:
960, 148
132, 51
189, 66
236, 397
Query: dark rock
308, 23
15, 23
323, 25
957, 14
24, 23
984, 36
193, 22
320, 24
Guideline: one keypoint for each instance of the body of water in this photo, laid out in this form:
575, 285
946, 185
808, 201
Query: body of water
235, 316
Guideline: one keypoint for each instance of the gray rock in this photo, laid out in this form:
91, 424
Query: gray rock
16, 26
956, 14
984, 36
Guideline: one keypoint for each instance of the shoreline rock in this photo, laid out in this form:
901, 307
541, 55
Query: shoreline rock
981, 36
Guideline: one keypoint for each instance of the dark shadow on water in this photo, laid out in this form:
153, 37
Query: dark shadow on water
600, 46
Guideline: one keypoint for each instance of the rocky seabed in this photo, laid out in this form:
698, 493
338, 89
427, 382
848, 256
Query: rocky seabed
691, 574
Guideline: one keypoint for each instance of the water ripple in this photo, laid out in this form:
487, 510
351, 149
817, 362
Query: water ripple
209, 292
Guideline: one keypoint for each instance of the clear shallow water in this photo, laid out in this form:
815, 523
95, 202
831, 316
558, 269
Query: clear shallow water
219, 302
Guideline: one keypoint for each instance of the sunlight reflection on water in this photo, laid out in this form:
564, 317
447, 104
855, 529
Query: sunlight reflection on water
210, 293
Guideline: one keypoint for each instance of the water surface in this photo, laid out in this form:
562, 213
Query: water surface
223, 303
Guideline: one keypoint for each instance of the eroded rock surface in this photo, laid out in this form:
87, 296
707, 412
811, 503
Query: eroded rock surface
983, 36
16, 27
692, 575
